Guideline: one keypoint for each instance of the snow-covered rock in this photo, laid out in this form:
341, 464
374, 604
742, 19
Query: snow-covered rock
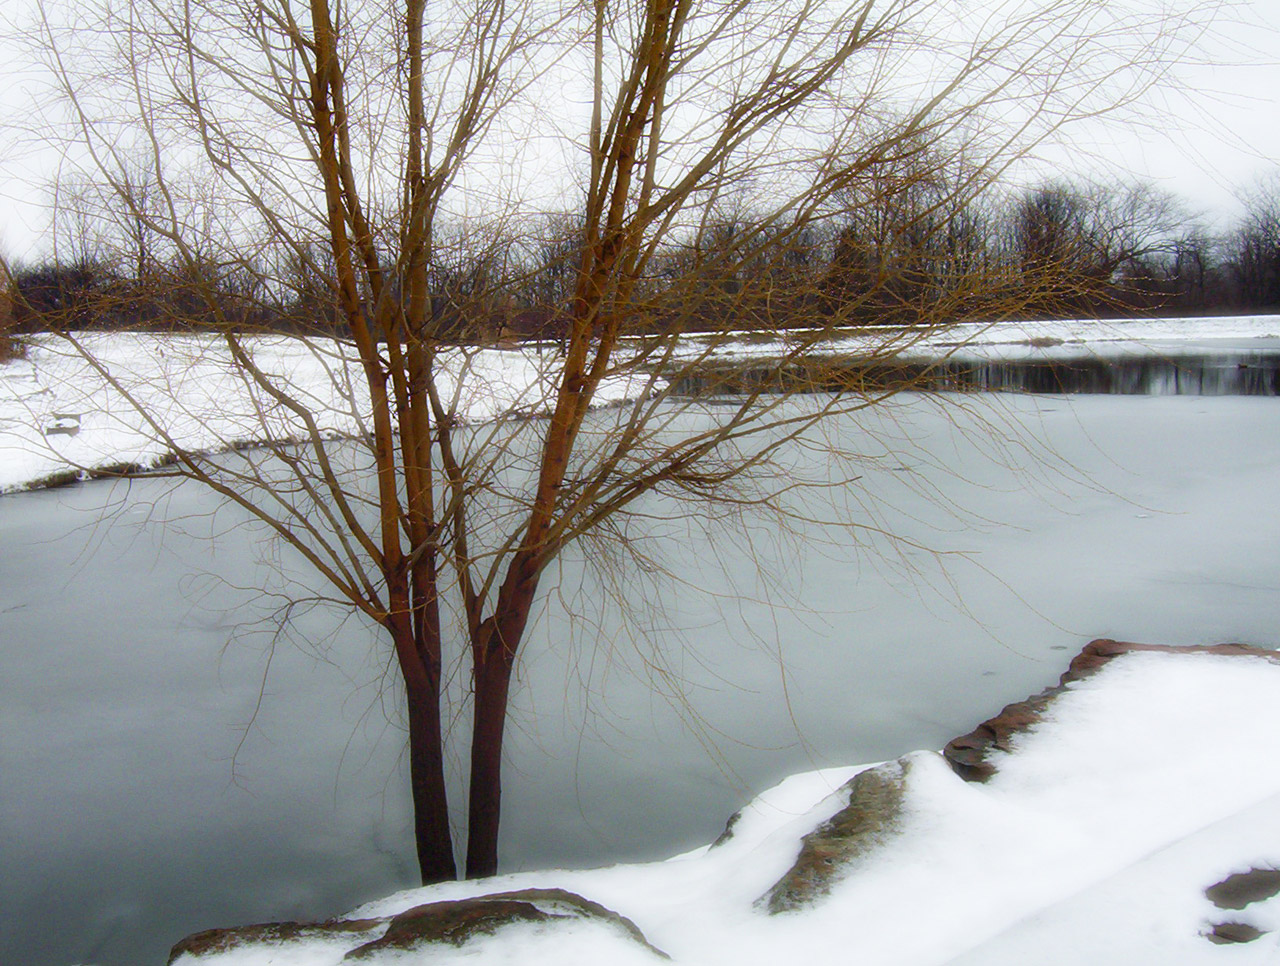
441, 927
1131, 816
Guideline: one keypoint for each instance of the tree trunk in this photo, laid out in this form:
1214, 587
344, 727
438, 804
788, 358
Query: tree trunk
492, 685
426, 777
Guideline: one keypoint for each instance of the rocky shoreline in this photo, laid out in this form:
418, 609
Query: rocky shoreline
852, 832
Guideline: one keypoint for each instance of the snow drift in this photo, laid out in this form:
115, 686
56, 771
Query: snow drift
1129, 815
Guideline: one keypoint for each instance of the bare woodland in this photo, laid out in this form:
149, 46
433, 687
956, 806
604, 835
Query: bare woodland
632, 185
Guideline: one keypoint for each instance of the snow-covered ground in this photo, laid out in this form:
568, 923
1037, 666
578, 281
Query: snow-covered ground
61, 414
1144, 785
1016, 340
63, 409
1036, 340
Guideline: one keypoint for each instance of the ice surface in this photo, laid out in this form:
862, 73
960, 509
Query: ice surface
129, 681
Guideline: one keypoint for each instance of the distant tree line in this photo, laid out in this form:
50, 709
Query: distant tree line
10, 348
906, 242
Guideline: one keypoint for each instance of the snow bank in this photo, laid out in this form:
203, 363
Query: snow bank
1141, 786
1055, 338
61, 414
62, 417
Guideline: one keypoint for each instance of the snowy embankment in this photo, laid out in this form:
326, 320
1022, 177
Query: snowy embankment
1135, 819
63, 417
1060, 338
66, 413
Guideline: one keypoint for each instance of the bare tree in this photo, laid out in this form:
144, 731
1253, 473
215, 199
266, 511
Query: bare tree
1102, 244
914, 236
10, 348
345, 142
1254, 247
1186, 274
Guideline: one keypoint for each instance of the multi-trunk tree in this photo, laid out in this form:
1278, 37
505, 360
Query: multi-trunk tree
372, 172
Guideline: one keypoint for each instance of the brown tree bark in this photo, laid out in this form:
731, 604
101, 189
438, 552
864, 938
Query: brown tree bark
492, 686
418, 655
430, 795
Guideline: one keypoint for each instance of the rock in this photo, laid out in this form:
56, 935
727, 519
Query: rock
63, 424
1239, 890
826, 853
454, 922
269, 934
1097, 653
587, 909
459, 920
729, 826
967, 754
1225, 933
450, 922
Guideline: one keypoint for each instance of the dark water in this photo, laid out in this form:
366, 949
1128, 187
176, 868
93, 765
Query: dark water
1205, 374
167, 765
1217, 373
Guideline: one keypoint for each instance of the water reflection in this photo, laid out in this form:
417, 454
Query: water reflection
1207, 374
1149, 373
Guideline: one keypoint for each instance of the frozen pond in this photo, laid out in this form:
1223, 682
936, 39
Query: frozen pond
167, 766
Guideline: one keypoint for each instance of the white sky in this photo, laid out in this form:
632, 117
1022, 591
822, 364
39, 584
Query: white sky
1216, 130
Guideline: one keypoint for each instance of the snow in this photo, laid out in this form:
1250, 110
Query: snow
1094, 842
1057, 338
61, 414
201, 401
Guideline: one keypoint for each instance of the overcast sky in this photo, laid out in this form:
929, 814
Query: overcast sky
1216, 130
